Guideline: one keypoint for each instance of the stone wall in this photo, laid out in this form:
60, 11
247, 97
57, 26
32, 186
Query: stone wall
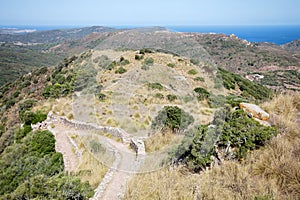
114, 131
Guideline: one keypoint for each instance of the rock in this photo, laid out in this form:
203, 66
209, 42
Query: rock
255, 111
264, 123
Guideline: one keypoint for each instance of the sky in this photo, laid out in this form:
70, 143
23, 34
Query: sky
149, 12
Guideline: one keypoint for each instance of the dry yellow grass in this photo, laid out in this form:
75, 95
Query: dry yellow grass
91, 170
271, 172
160, 140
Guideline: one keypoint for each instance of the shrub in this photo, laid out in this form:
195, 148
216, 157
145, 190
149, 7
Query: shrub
149, 61
201, 93
172, 118
171, 65
16, 94
120, 70
199, 79
192, 152
111, 65
237, 129
29, 117
124, 61
155, 86
171, 97
159, 96
244, 133
101, 96
192, 72
26, 83
10, 103
143, 51
138, 57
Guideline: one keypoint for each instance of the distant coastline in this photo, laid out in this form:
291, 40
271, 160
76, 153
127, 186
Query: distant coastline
274, 34
277, 34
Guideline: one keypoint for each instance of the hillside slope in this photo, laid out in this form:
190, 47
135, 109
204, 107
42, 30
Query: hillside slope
274, 66
119, 89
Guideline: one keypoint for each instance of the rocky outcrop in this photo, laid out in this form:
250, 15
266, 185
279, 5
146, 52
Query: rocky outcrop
255, 111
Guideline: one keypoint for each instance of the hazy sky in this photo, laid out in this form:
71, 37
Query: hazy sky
149, 12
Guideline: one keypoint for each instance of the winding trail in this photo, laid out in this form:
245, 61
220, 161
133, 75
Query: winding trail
126, 163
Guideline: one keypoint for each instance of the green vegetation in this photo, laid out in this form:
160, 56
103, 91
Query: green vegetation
248, 88
144, 51
19, 60
57, 90
232, 100
61, 83
200, 79
65, 81
29, 117
101, 96
124, 61
155, 86
159, 96
237, 130
120, 70
192, 72
172, 118
201, 93
139, 57
32, 169
244, 133
171, 97
172, 65
280, 78
147, 63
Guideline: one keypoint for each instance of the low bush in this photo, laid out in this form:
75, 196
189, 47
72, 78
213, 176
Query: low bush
201, 93
171, 97
233, 128
155, 86
159, 96
199, 79
148, 61
120, 70
172, 118
139, 57
101, 96
192, 72
171, 65
124, 61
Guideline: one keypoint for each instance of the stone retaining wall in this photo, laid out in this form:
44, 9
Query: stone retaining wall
136, 144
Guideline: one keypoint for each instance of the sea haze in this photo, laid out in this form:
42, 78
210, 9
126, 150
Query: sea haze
275, 34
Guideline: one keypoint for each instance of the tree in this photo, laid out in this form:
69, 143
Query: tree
173, 118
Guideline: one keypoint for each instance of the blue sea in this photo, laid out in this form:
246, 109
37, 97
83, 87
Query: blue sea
275, 34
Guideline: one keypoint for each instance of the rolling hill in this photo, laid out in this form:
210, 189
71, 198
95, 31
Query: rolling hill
174, 96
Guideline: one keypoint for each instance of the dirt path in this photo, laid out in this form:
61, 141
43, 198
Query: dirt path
125, 164
65, 145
